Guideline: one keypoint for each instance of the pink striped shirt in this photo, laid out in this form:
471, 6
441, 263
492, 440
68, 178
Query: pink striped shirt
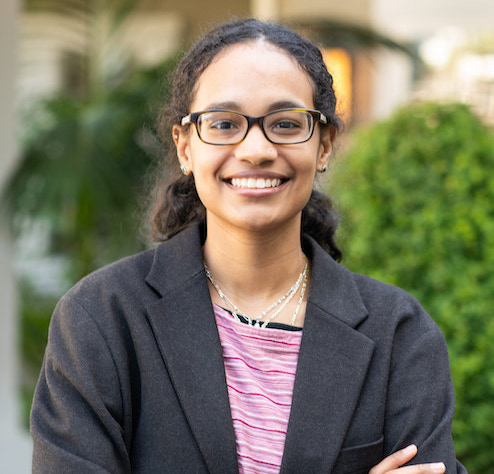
260, 365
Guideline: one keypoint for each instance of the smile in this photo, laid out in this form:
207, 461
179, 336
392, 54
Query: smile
255, 183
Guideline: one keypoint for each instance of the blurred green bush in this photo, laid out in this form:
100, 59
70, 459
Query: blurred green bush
416, 193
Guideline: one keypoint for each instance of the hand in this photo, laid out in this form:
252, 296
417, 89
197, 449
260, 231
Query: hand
392, 464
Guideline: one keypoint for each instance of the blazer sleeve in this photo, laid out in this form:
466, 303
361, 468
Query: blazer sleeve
420, 401
77, 414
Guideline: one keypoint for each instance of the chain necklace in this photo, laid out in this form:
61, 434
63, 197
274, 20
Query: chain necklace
280, 304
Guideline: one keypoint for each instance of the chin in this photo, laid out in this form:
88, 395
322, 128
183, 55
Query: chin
270, 224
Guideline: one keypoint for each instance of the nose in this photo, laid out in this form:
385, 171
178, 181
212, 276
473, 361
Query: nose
255, 147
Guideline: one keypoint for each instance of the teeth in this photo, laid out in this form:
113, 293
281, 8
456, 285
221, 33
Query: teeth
255, 183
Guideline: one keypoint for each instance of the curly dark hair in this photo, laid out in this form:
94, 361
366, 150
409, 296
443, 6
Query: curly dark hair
177, 204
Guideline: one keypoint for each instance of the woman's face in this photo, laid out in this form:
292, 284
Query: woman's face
253, 78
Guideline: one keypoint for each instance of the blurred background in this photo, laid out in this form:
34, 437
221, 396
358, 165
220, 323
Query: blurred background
82, 81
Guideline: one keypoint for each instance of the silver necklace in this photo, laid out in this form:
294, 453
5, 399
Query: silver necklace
281, 303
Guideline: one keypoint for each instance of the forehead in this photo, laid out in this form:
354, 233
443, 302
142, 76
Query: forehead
253, 74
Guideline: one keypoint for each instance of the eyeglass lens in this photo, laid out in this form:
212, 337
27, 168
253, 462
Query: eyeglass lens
226, 127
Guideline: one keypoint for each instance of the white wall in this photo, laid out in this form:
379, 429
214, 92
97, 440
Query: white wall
15, 446
405, 19
352, 11
446, 30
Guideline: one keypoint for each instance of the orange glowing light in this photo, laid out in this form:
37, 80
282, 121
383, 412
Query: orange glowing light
339, 64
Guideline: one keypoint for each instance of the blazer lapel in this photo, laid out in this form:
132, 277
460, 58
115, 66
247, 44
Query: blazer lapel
332, 366
185, 329
333, 360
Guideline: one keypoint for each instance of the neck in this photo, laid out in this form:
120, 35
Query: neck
254, 268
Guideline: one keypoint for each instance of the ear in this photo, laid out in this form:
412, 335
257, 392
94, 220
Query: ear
181, 140
328, 135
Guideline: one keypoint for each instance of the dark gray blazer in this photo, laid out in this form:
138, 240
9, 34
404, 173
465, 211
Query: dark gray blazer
133, 377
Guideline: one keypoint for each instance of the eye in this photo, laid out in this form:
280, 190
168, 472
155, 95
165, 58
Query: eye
286, 124
221, 122
291, 123
222, 125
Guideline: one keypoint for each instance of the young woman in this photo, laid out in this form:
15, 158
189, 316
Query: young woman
240, 344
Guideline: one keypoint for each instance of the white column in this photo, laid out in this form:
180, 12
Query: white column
265, 9
392, 82
392, 76
15, 445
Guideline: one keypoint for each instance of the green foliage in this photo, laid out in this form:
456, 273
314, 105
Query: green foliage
81, 174
417, 194
82, 170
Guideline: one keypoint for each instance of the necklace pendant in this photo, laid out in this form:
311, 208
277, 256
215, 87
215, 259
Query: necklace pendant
280, 304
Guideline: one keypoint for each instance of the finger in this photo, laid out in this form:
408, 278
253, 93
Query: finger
429, 468
395, 460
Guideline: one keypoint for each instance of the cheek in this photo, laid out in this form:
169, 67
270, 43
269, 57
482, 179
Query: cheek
205, 168
206, 193
204, 165
306, 178
311, 160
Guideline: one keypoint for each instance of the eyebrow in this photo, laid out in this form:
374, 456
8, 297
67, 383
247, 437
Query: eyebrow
235, 106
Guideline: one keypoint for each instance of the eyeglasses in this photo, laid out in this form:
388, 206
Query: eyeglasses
226, 127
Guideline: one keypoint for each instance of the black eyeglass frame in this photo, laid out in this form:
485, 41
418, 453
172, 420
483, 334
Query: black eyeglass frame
193, 118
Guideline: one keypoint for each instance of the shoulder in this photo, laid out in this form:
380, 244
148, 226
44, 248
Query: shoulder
383, 294
361, 301
130, 284
123, 277
391, 303
107, 305
398, 323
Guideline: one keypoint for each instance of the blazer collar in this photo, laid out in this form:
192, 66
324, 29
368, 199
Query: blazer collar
185, 329
333, 360
176, 261
332, 286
